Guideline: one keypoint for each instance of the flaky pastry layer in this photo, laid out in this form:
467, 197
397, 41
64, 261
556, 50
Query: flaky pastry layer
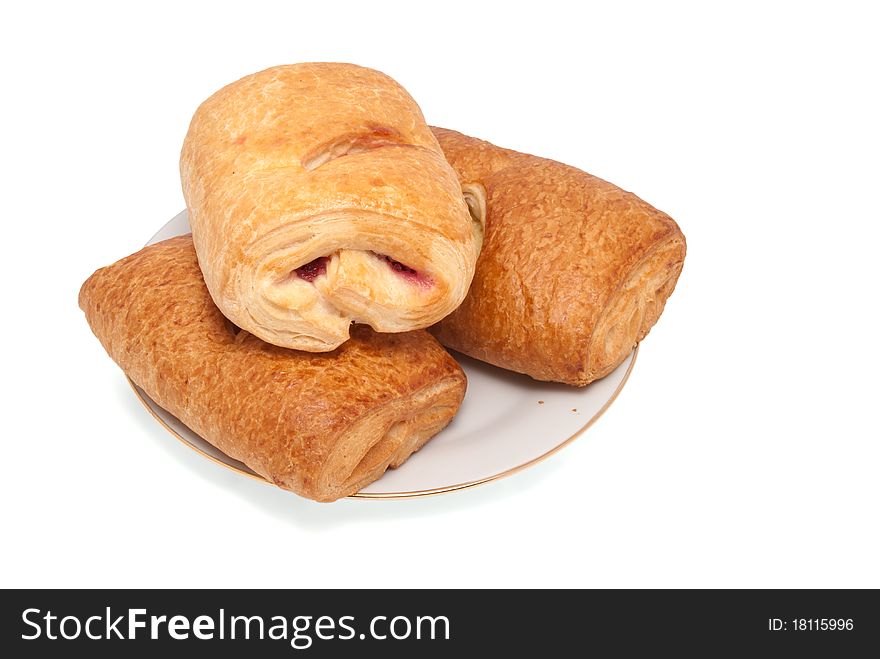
318, 197
573, 273
322, 425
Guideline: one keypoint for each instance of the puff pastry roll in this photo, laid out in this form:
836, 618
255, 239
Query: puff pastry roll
321, 425
574, 271
318, 197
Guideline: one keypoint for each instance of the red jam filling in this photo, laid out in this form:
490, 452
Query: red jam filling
397, 266
410, 274
314, 269
310, 271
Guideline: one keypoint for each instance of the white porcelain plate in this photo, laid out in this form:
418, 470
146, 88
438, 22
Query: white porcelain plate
507, 422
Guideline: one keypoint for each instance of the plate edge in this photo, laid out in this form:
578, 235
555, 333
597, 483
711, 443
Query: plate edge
414, 494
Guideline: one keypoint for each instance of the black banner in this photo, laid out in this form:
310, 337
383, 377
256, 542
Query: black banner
318, 623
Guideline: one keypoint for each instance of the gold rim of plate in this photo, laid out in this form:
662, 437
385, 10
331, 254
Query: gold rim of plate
401, 495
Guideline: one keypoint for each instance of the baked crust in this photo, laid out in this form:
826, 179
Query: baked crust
321, 425
573, 273
300, 162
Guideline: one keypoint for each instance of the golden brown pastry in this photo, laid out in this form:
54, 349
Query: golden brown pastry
321, 425
318, 197
574, 271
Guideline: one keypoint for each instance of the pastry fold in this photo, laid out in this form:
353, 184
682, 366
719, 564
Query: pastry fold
318, 196
321, 425
573, 272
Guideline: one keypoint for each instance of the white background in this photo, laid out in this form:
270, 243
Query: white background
742, 452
